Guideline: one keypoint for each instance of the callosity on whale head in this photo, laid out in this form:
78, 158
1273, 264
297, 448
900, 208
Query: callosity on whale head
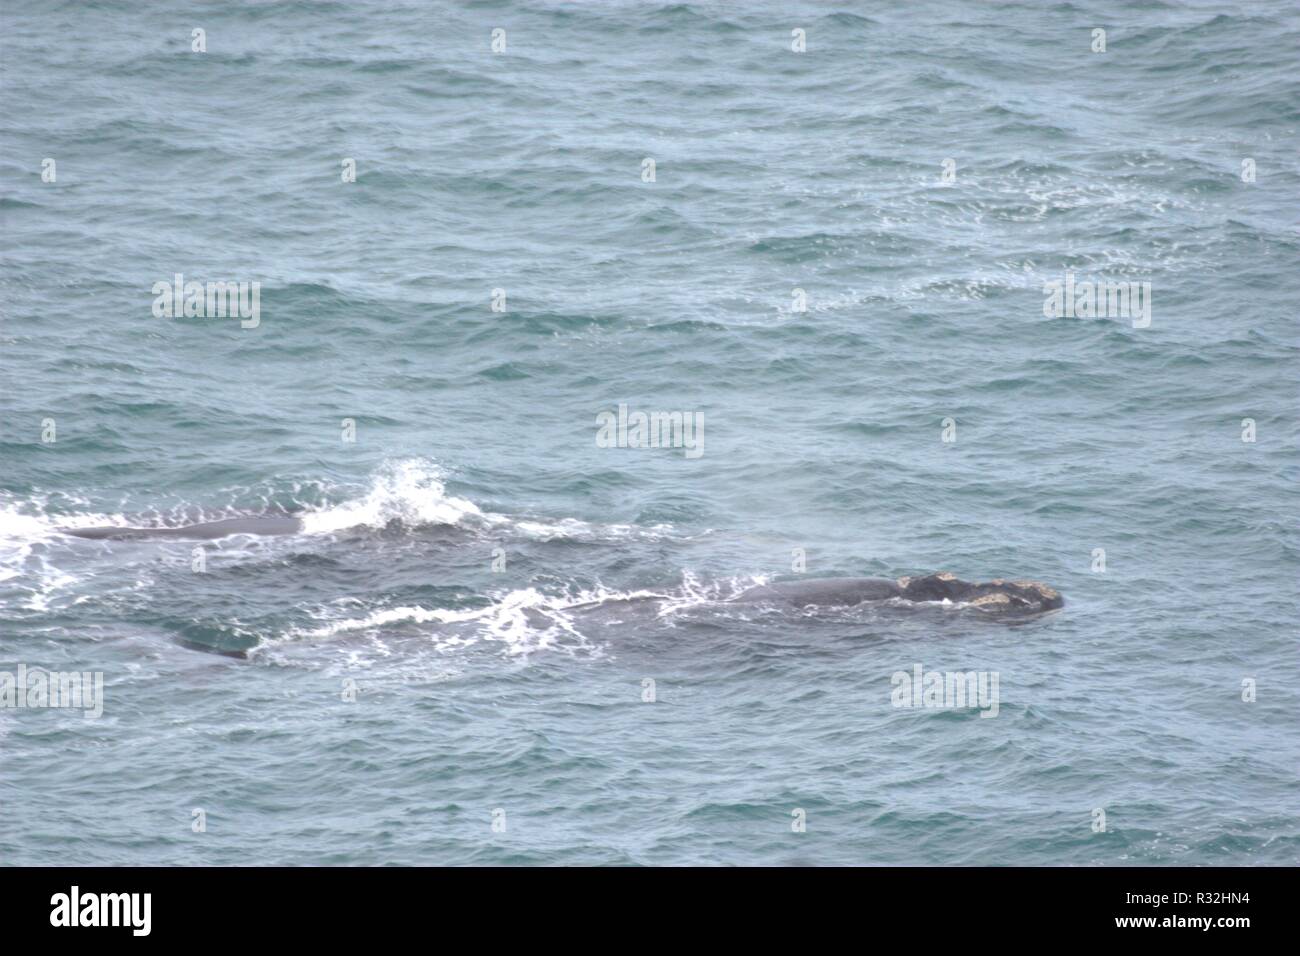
995, 595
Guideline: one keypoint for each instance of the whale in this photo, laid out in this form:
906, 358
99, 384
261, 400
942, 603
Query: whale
204, 531
997, 595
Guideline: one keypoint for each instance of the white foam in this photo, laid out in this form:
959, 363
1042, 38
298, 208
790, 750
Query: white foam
507, 620
525, 620
26, 532
577, 528
410, 491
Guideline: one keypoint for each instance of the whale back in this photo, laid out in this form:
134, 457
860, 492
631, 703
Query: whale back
826, 592
207, 530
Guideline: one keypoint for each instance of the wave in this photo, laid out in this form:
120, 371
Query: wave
404, 495
411, 493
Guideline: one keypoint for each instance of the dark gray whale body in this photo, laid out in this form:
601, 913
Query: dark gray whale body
996, 595
206, 531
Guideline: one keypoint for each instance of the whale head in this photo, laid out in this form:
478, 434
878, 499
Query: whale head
997, 595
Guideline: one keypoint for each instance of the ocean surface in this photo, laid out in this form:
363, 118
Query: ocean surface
499, 640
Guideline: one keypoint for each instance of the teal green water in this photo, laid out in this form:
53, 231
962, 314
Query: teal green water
446, 548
